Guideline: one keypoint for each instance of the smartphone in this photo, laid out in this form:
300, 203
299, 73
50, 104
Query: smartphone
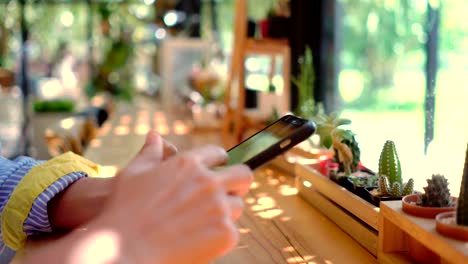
271, 141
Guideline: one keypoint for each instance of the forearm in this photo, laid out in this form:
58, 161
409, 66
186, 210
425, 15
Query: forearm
79, 203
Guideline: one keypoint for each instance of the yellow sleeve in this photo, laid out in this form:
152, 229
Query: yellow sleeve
31, 186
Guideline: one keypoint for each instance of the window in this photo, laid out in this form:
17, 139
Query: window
385, 48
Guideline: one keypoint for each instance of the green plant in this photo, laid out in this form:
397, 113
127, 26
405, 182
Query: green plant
306, 106
347, 138
328, 126
462, 206
390, 181
436, 193
59, 105
368, 181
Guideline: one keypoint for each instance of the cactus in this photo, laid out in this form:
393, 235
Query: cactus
396, 189
390, 182
462, 207
384, 185
437, 193
408, 188
389, 164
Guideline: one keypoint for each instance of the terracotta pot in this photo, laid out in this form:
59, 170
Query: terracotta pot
446, 225
410, 207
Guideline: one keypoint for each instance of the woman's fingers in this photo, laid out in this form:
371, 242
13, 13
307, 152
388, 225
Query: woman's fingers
235, 205
235, 179
211, 156
169, 149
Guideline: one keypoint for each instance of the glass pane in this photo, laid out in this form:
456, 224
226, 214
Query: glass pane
447, 151
382, 80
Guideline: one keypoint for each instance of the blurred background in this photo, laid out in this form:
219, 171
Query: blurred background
398, 69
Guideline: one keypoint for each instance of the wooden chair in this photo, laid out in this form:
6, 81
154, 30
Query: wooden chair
236, 119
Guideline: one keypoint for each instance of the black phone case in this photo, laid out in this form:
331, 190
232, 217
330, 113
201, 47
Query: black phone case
304, 131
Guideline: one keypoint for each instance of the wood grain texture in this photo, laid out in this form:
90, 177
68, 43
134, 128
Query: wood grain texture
420, 229
349, 201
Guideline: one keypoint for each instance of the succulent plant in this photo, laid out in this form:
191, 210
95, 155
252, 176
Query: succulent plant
349, 140
437, 193
462, 206
328, 126
390, 181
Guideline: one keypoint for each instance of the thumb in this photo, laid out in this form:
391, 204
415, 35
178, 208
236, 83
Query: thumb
152, 148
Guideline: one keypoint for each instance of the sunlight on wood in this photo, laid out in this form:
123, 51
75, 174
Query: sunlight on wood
244, 230
95, 143
287, 190
162, 129
125, 120
254, 185
269, 214
121, 130
305, 259
307, 184
159, 118
285, 218
272, 181
250, 200
288, 249
180, 128
264, 203
142, 129
296, 259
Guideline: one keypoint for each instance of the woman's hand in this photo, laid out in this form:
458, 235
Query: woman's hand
177, 211
180, 210
85, 198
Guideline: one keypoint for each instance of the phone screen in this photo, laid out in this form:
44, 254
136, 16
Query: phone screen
260, 142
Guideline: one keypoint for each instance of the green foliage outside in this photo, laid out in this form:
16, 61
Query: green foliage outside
63, 105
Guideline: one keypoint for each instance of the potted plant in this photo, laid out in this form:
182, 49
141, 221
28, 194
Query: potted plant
349, 172
455, 224
390, 186
435, 199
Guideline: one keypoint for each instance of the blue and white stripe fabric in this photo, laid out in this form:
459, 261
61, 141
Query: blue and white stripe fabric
11, 173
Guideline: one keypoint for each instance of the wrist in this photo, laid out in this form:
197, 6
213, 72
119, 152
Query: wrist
80, 202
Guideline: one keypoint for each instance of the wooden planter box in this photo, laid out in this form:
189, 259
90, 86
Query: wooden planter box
397, 229
297, 155
355, 216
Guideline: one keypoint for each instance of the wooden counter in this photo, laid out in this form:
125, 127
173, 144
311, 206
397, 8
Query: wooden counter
277, 225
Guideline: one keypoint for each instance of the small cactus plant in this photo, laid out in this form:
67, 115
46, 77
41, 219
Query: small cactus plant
462, 206
390, 181
437, 193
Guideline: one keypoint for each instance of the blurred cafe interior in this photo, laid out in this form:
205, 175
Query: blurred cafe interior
94, 76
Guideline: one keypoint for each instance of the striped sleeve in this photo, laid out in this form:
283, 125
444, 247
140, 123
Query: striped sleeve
11, 173
26, 187
38, 218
